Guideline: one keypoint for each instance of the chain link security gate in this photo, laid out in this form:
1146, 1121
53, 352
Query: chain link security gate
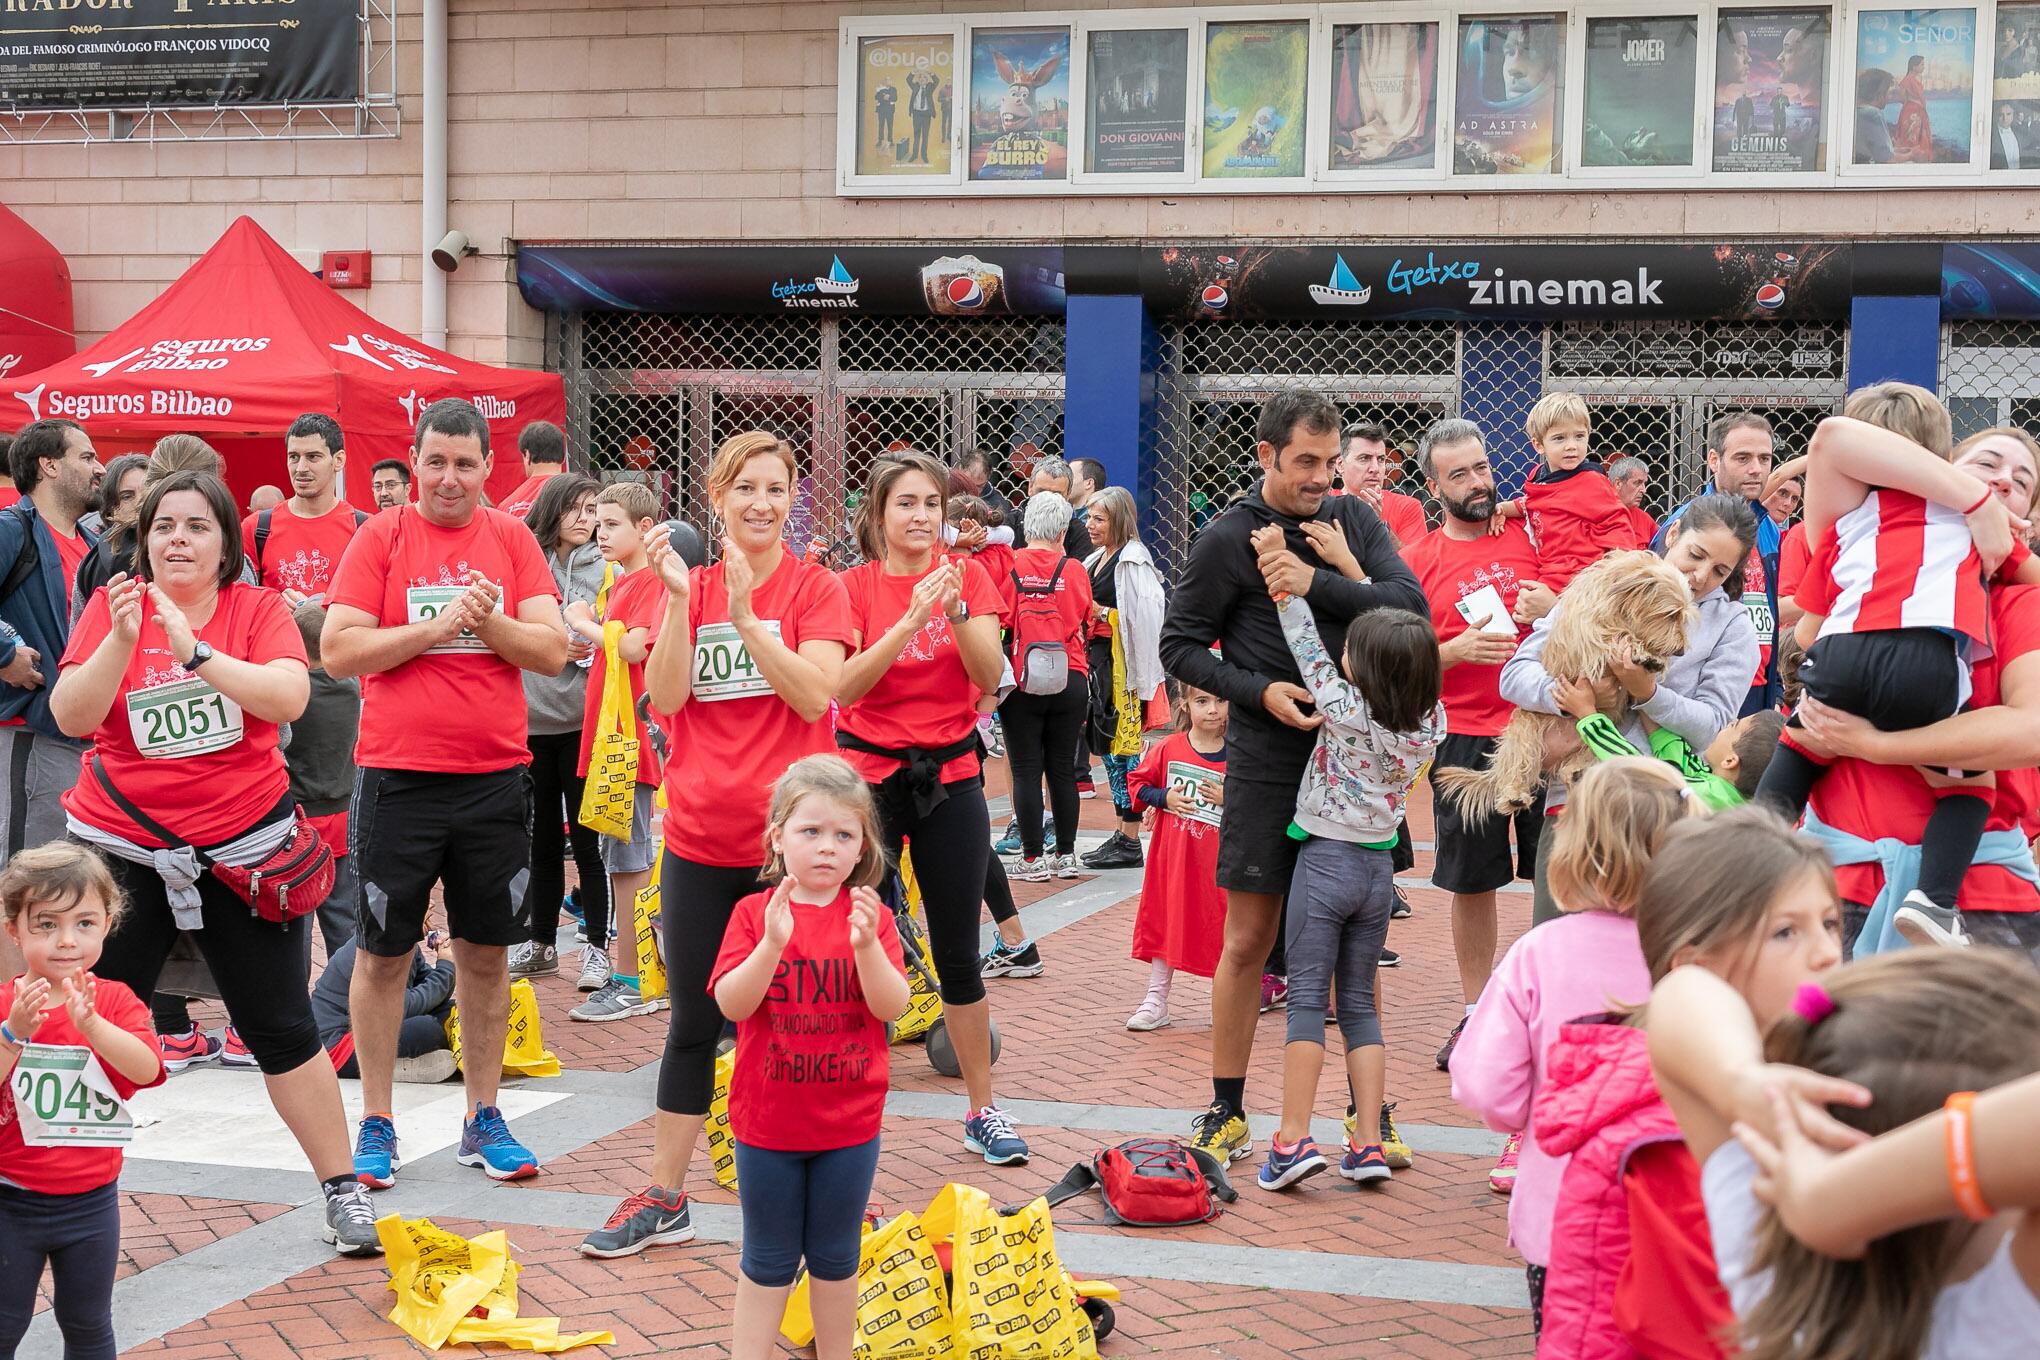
1990, 374
650, 397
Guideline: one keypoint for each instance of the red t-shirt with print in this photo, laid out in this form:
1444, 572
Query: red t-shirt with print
168, 741
812, 1060
734, 736
519, 502
635, 601
925, 698
1449, 570
455, 708
71, 1170
300, 554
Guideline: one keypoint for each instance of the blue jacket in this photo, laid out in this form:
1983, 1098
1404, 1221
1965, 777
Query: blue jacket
38, 613
1770, 542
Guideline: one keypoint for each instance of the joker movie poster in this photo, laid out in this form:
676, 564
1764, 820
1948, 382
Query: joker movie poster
1770, 92
1640, 79
1507, 105
1020, 104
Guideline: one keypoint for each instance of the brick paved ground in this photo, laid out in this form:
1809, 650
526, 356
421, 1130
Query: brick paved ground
227, 1267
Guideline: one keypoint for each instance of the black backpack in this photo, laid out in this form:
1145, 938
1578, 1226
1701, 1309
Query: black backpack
262, 535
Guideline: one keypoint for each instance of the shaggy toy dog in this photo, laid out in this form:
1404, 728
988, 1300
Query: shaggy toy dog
1627, 599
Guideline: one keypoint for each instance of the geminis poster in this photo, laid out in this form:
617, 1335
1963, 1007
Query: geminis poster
1770, 91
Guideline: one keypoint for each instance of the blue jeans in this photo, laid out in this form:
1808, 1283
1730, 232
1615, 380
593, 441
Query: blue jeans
79, 1236
803, 1204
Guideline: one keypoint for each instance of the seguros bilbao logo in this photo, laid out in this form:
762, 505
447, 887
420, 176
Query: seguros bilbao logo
46, 402
180, 356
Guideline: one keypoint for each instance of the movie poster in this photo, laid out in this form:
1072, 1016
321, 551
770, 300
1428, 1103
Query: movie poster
1020, 104
1915, 86
1640, 80
1770, 92
1507, 105
1255, 76
1138, 89
2014, 134
905, 97
1384, 96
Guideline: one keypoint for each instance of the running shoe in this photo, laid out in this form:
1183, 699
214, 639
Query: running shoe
486, 1142
1451, 1042
193, 1048
1390, 959
989, 1133
1120, 851
1364, 1164
1009, 844
1153, 1013
1037, 870
350, 1222
1393, 1148
1003, 960
653, 1217
618, 1000
1066, 866
1502, 1180
1284, 1169
534, 960
1923, 923
1402, 907
1221, 1133
1274, 991
234, 1053
1086, 788
594, 970
375, 1152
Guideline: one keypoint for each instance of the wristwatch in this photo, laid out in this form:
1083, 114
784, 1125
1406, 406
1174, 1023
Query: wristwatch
200, 654
962, 613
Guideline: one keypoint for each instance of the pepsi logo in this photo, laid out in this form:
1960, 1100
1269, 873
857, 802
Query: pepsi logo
1227, 263
1770, 297
965, 293
1214, 297
1785, 259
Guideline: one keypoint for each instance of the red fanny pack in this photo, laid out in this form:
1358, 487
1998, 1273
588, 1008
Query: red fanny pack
1150, 1183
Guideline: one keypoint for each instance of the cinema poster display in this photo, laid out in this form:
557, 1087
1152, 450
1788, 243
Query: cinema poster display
1640, 79
1020, 104
1255, 78
1137, 93
1384, 106
905, 98
1915, 86
1770, 92
2014, 134
1506, 106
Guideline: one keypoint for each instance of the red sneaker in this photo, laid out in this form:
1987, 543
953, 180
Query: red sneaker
193, 1048
235, 1053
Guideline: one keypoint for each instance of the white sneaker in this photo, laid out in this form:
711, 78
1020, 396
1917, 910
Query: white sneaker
427, 1068
1152, 1014
1923, 923
1066, 866
594, 969
1037, 870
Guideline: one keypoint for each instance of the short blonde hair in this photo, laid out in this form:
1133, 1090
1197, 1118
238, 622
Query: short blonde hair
1553, 407
1905, 409
740, 449
635, 499
1615, 818
834, 778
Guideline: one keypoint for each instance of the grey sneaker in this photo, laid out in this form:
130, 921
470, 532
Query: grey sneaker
1923, 923
617, 1000
350, 1222
594, 970
1066, 866
651, 1217
534, 960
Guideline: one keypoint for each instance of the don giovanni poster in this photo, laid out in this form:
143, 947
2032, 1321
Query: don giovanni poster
1770, 91
1139, 83
1506, 107
1020, 103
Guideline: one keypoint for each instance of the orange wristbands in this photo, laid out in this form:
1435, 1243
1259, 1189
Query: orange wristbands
1961, 1148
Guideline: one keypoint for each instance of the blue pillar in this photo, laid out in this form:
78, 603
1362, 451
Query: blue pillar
1108, 394
1501, 376
1895, 338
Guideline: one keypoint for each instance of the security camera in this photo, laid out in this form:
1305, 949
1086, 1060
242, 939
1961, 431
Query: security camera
452, 248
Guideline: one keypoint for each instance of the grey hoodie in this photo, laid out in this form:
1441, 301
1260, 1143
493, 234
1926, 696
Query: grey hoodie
554, 702
1701, 691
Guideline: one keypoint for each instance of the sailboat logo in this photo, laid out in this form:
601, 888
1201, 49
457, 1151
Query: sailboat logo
838, 279
1343, 291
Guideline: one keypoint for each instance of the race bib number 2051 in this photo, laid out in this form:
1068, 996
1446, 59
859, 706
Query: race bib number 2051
184, 718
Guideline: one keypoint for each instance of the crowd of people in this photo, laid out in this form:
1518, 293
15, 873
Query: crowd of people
221, 728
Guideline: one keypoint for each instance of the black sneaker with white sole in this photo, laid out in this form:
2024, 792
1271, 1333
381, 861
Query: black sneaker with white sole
652, 1217
1119, 851
1923, 923
1451, 1042
1401, 909
1390, 959
1002, 960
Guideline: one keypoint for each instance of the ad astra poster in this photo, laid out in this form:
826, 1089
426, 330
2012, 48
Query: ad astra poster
1770, 91
1915, 86
1384, 96
1019, 103
1639, 97
1507, 102
1138, 92
1254, 80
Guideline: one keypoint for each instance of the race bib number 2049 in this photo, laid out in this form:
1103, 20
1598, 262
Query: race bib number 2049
63, 1098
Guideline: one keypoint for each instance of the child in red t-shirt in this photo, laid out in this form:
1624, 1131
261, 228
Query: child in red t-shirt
62, 1204
1575, 514
810, 972
1181, 919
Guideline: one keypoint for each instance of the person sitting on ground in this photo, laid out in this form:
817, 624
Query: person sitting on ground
424, 1054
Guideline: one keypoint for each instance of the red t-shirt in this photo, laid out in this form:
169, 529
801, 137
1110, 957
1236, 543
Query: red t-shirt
1576, 519
1793, 555
925, 698
8, 496
1073, 598
1449, 570
730, 741
812, 1060
635, 601
997, 560
300, 554
1669, 1302
457, 708
520, 501
71, 550
200, 781
1404, 515
1873, 801
71, 1170
1646, 527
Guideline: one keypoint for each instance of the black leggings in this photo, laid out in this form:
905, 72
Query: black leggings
998, 892
695, 905
951, 845
1042, 732
79, 1236
259, 966
556, 790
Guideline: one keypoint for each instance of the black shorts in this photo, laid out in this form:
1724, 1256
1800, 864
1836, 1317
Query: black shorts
1473, 856
469, 832
1255, 853
1898, 679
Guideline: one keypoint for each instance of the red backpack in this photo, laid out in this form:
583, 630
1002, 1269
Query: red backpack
1041, 657
1150, 1183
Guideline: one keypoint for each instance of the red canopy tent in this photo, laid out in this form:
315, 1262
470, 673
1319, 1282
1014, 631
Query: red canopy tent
35, 299
245, 341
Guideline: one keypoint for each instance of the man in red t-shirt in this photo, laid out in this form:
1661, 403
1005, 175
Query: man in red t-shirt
439, 606
1484, 595
295, 546
544, 447
1365, 468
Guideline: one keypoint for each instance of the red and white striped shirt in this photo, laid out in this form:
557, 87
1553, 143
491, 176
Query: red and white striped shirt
1900, 561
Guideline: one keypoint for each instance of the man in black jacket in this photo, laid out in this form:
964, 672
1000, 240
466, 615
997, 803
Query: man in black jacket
1223, 596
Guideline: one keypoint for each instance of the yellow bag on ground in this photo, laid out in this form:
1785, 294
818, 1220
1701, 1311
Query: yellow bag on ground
452, 1288
610, 793
1012, 1299
722, 1145
902, 1301
651, 965
524, 1050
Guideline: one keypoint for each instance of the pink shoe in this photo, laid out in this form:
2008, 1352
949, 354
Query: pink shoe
1502, 1180
1274, 992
